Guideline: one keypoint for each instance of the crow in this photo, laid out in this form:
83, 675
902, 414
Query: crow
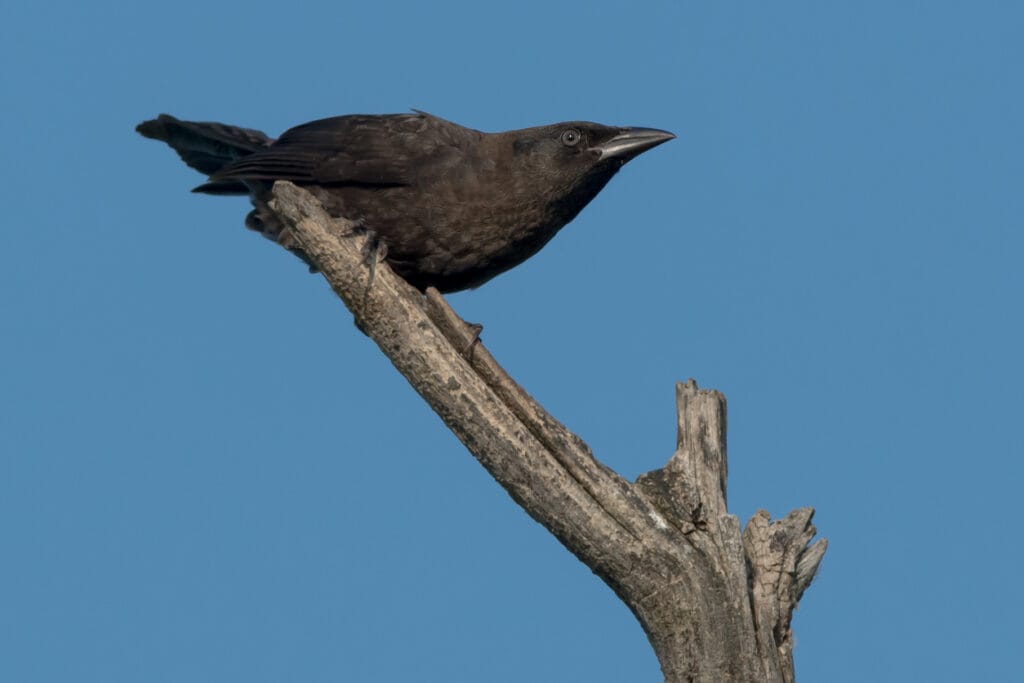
451, 206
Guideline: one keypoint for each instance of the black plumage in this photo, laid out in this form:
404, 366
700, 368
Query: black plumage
453, 206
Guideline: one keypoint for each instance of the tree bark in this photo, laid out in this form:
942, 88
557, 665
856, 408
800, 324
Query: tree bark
715, 603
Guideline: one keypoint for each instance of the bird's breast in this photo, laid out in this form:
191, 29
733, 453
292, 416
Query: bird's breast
452, 233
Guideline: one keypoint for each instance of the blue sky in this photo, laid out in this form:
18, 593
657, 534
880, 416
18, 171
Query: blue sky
209, 474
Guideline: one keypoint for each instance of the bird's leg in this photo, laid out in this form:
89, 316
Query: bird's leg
451, 325
374, 251
476, 329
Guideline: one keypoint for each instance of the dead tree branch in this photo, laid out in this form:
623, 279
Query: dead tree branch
716, 604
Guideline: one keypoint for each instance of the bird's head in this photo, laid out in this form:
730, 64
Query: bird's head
582, 145
578, 158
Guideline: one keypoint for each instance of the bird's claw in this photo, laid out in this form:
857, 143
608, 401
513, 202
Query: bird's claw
476, 329
374, 251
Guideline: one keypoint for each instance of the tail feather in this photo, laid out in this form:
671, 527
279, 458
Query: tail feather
206, 146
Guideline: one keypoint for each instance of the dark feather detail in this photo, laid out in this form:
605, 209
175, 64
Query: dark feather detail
205, 146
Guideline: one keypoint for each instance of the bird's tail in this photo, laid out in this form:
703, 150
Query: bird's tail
206, 146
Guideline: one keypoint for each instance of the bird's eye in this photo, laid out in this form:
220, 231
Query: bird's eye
570, 137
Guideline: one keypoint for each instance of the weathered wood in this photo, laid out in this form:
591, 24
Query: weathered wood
716, 604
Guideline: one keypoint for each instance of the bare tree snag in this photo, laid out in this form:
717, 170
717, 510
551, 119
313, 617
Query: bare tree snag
715, 604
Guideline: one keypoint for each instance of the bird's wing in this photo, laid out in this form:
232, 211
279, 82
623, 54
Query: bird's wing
366, 150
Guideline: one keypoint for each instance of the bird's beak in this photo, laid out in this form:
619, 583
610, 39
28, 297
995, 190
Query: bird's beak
631, 142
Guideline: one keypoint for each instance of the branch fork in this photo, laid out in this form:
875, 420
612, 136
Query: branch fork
715, 603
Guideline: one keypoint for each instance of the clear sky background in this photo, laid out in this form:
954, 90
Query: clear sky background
208, 474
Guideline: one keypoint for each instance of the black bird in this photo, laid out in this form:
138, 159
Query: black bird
452, 206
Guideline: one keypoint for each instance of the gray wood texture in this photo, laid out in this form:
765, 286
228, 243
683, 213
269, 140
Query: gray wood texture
715, 602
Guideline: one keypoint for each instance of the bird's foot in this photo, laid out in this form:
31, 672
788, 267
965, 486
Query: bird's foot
374, 251
476, 329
